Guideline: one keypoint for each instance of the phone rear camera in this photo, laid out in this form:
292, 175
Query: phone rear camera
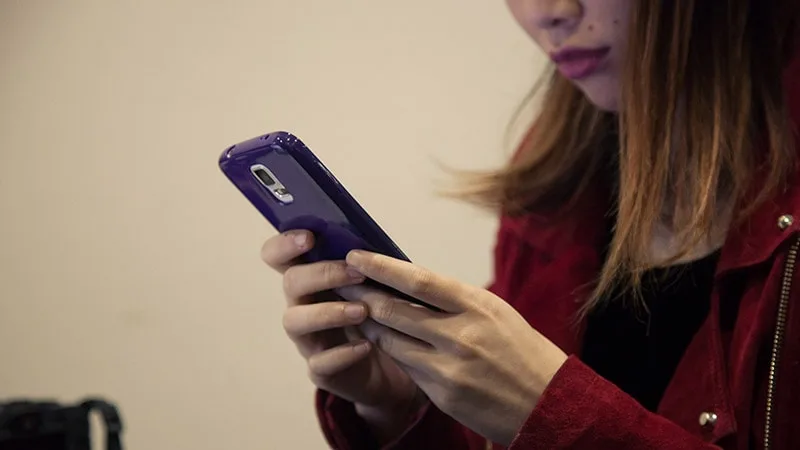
264, 177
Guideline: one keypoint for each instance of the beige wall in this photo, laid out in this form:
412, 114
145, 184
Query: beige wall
129, 266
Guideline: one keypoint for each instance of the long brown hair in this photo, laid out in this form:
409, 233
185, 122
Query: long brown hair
702, 111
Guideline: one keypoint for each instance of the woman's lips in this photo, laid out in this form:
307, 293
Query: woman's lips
577, 63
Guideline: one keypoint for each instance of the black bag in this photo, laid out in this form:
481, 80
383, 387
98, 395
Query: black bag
27, 425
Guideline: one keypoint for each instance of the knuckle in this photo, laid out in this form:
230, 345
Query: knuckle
275, 253
286, 321
338, 313
492, 309
384, 311
267, 253
331, 273
422, 282
379, 266
314, 372
290, 281
313, 348
330, 315
466, 342
317, 365
328, 363
462, 350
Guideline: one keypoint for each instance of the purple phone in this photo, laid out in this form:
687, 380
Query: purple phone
293, 190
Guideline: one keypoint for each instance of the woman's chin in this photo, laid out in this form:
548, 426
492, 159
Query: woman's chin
601, 93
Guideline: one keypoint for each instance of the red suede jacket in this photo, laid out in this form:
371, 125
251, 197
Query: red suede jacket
737, 386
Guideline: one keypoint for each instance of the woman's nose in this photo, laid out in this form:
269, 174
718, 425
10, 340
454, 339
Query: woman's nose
554, 14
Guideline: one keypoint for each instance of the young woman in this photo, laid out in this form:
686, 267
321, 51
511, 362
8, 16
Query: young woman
646, 293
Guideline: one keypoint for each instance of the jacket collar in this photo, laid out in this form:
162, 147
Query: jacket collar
758, 237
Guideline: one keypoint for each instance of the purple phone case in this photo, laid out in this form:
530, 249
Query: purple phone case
321, 204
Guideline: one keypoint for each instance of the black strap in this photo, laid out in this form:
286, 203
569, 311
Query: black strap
111, 418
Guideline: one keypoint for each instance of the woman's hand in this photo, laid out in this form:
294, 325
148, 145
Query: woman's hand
478, 361
323, 327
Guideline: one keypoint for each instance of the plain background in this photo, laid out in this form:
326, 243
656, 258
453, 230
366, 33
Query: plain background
129, 266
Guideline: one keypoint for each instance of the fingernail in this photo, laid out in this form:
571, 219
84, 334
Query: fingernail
354, 312
361, 347
354, 274
355, 257
300, 239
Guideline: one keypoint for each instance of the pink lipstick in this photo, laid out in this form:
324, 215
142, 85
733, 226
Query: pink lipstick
577, 63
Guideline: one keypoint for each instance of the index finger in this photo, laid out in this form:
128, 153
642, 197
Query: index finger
444, 293
408, 318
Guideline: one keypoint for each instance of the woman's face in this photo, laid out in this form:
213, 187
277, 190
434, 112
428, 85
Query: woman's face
586, 40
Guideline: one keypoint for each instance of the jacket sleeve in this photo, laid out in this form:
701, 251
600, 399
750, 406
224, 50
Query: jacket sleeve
430, 429
581, 410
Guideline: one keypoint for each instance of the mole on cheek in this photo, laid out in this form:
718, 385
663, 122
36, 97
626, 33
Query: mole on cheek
591, 27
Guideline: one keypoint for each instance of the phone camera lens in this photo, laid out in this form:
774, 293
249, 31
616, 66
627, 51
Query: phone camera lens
264, 177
